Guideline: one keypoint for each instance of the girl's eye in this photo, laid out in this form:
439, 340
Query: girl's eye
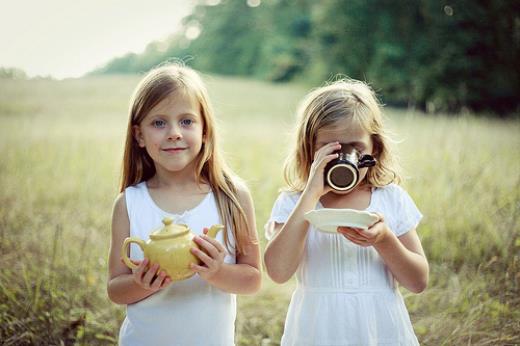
159, 124
186, 122
360, 148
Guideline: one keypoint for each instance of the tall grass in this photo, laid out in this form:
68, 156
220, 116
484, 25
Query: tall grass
61, 147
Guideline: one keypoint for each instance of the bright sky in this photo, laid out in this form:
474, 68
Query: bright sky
64, 38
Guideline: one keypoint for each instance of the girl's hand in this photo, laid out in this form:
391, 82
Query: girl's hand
212, 257
149, 278
316, 183
369, 237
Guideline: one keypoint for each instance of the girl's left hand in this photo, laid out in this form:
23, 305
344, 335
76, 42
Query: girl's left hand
212, 257
366, 237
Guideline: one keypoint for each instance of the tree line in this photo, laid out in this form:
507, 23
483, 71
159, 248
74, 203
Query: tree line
433, 55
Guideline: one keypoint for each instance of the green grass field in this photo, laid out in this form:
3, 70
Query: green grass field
61, 145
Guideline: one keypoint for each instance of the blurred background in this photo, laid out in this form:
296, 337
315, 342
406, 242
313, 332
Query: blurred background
447, 72
435, 56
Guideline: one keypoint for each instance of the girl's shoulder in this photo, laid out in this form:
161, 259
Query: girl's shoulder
119, 205
241, 186
391, 192
243, 193
139, 187
285, 203
399, 209
288, 197
391, 198
137, 197
136, 192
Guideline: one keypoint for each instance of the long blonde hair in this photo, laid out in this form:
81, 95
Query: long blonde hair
325, 106
138, 166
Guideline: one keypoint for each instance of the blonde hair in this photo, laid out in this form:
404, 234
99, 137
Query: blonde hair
138, 166
323, 107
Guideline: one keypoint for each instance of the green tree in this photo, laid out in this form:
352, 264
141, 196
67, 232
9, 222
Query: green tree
437, 56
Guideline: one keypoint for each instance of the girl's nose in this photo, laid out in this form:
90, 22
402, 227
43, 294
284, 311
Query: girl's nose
175, 133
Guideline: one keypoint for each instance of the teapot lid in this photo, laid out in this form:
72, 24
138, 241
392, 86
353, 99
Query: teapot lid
170, 230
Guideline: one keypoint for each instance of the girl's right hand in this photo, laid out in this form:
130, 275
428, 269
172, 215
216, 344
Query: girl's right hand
316, 184
149, 278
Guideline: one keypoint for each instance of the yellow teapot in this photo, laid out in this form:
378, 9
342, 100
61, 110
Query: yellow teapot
170, 248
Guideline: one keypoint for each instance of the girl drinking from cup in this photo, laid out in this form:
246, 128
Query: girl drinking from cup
346, 291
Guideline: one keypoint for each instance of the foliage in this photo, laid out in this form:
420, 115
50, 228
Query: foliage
431, 55
12, 73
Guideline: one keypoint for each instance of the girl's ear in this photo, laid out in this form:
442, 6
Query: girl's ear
138, 135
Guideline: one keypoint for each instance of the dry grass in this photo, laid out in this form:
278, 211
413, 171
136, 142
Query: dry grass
61, 145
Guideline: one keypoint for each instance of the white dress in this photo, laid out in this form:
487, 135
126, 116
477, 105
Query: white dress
345, 295
189, 312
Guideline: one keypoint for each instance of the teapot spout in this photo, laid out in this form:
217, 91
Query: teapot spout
212, 232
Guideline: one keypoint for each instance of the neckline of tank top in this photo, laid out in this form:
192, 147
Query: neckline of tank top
177, 216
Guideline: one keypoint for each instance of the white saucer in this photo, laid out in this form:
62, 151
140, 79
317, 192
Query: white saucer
328, 219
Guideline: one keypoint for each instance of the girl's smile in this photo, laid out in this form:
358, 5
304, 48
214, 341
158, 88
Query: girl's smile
174, 150
171, 132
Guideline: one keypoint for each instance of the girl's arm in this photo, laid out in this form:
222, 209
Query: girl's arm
125, 287
405, 258
245, 276
403, 255
285, 250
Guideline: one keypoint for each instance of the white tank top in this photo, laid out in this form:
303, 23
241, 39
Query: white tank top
188, 312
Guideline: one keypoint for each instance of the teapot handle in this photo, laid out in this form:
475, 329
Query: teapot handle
124, 251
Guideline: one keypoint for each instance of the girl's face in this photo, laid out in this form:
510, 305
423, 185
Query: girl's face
172, 133
348, 132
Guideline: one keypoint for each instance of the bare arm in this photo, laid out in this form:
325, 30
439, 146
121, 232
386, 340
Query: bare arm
284, 252
125, 287
279, 262
403, 255
405, 258
245, 276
